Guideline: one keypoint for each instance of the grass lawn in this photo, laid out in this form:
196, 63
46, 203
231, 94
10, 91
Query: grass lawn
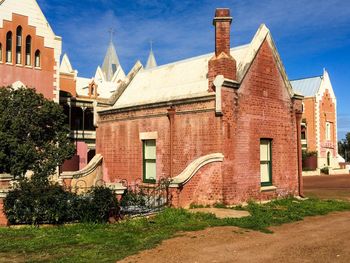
108, 243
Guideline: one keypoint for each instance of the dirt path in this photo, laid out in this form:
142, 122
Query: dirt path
316, 239
328, 186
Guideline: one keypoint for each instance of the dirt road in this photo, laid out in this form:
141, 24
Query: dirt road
328, 186
316, 239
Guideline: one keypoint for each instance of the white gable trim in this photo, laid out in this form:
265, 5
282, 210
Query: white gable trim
66, 66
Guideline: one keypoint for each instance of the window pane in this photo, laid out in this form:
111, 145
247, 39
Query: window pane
264, 150
150, 170
150, 149
265, 172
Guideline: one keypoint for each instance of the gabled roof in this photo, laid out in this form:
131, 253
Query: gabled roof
36, 18
188, 78
178, 80
110, 62
308, 87
66, 66
151, 61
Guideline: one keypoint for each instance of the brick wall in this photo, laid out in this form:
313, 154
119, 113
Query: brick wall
309, 114
262, 108
43, 78
327, 114
196, 133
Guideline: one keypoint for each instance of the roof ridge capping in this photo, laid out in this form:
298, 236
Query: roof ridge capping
306, 78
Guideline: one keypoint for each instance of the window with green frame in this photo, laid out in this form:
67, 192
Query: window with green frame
265, 162
149, 161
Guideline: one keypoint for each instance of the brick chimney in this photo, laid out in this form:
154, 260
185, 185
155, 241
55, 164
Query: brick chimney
222, 63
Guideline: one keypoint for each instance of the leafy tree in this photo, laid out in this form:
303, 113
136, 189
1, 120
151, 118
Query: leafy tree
33, 134
344, 147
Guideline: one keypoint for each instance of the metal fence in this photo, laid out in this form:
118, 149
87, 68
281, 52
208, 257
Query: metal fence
138, 198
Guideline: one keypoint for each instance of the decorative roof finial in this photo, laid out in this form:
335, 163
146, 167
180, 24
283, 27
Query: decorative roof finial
111, 32
151, 61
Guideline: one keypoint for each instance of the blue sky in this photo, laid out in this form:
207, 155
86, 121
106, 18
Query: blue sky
310, 34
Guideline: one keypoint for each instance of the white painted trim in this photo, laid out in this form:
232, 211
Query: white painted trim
268, 188
193, 168
148, 135
92, 165
218, 81
318, 127
118, 188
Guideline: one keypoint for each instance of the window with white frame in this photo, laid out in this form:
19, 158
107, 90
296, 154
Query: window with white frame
149, 161
265, 162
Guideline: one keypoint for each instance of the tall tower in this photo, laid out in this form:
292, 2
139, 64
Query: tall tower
111, 61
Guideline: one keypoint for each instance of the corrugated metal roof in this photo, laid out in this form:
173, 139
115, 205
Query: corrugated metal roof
308, 87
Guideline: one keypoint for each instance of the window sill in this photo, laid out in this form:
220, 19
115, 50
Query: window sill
18, 65
268, 188
28, 66
149, 181
9, 63
38, 68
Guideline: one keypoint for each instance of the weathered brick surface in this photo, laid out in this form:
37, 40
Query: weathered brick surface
205, 188
261, 108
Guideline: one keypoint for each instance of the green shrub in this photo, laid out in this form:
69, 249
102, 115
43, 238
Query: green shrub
33, 203
133, 198
37, 203
96, 205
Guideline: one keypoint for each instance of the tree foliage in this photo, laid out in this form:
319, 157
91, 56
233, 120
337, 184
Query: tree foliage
33, 133
344, 147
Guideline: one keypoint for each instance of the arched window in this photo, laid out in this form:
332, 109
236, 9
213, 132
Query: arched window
37, 59
19, 45
28, 50
9, 47
0, 52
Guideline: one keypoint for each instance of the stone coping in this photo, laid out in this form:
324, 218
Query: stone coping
193, 168
92, 165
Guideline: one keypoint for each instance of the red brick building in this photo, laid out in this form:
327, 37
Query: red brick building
225, 127
29, 49
319, 121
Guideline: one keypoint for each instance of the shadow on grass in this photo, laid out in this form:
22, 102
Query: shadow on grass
108, 243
